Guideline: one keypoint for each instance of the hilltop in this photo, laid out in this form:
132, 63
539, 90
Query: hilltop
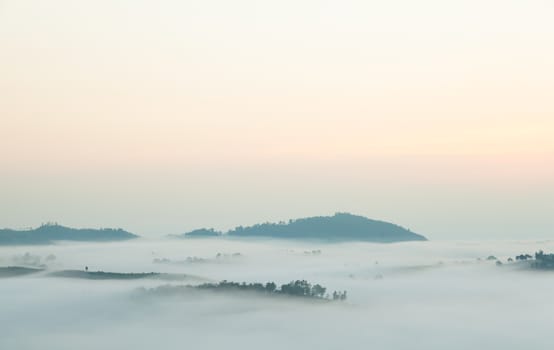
339, 227
203, 232
48, 233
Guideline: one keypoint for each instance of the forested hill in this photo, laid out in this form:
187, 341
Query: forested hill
339, 227
47, 234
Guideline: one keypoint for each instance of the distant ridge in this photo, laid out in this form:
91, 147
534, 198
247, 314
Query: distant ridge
339, 227
48, 233
203, 232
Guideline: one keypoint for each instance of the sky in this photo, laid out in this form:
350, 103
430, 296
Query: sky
165, 116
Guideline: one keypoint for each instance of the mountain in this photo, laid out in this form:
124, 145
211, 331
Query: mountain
339, 227
203, 232
47, 234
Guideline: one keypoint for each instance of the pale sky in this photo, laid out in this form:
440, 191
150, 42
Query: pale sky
165, 116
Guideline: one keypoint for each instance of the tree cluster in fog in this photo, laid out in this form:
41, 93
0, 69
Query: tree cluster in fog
298, 288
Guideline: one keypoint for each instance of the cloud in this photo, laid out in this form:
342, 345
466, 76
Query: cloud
432, 295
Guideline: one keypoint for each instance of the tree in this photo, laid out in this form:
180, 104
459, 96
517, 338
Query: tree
523, 257
318, 291
270, 287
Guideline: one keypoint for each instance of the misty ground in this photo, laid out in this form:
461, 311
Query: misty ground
418, 295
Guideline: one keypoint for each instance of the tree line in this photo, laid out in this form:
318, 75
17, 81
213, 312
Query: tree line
298, 288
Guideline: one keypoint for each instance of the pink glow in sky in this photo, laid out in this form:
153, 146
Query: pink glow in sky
163, 116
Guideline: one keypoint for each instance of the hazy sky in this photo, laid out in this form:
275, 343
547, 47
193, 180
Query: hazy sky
164, 116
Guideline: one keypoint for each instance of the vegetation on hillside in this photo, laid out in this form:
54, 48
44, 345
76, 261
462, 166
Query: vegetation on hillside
50, 232
339, 227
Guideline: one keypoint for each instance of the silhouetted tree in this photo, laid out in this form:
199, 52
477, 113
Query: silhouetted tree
523, 257
318, 291
343, 296
270, 287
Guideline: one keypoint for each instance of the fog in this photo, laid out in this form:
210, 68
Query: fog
420, 295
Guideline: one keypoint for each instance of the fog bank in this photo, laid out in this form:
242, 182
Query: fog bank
418, 295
